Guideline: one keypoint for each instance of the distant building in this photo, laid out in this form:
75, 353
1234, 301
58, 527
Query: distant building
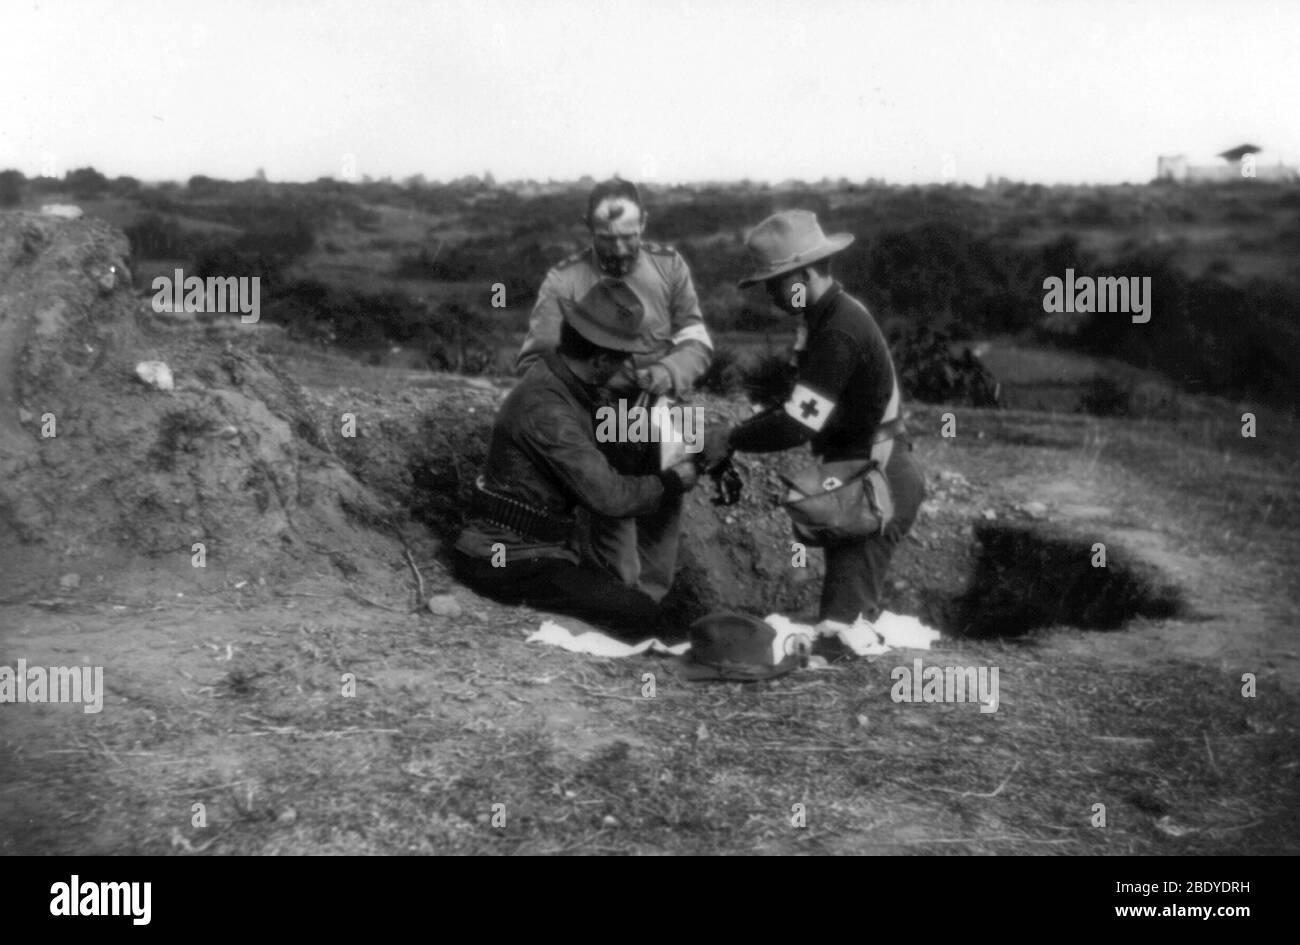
1244, 162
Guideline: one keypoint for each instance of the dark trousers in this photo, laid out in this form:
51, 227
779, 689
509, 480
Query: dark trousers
855, 571
563, 587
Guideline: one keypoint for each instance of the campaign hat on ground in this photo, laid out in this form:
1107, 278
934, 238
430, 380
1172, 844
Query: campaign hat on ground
741, 648
609, 315
788, 241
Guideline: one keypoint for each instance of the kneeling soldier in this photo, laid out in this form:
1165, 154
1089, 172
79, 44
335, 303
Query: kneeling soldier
543, 462
845, 400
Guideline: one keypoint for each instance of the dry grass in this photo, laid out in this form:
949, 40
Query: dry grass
582, 762
232, 698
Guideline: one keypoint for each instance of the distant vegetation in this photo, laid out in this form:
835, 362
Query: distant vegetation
361, 265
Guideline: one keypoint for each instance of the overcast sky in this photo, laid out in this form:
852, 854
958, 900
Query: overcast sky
678, 90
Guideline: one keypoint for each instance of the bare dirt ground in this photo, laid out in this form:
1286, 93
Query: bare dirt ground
230, 686
231, 697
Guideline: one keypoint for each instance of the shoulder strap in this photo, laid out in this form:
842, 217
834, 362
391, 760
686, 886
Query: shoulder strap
882, 447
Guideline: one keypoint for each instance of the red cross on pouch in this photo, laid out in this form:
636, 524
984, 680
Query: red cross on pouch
809, 408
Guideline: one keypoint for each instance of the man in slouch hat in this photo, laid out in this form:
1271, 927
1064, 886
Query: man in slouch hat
845, 401
544, 462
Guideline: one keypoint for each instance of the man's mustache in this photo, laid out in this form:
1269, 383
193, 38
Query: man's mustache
619, 263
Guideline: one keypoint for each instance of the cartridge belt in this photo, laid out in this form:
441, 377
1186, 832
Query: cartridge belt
520, 517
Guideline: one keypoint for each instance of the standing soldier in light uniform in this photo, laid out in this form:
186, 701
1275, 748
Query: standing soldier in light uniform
641, 551
845, 400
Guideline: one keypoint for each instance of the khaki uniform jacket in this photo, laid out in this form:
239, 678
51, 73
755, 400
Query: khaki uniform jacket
673, 323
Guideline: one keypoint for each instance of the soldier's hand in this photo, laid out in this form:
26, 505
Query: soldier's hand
717, 447
655, 379
686, 472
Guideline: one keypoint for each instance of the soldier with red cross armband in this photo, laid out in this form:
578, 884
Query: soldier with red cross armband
845, 402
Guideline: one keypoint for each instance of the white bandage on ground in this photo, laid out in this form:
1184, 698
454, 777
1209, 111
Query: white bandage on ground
809, 407
889, 632
598, 644
695, 332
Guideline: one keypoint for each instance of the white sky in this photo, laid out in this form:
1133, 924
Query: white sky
678, 90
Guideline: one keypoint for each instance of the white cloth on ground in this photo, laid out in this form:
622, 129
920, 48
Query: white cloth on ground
598, 644
890, 632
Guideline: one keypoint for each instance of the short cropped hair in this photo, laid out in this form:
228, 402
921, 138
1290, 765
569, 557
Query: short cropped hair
616, 188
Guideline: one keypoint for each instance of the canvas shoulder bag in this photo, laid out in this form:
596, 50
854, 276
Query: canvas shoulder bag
839, 502
846, 500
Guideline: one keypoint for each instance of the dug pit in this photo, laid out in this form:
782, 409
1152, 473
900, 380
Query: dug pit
1030, 575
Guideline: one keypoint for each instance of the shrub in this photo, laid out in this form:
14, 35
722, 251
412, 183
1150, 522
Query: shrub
724, 375
1093, 212
285, 239
154, 236
224, 260
462, 339
940, 267
85, 182
1106, 397
202, 186
520, 268
11, 188
769, 380
156, 200
47, 185
928, 370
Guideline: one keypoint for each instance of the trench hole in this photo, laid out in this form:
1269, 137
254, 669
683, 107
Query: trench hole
1035, 575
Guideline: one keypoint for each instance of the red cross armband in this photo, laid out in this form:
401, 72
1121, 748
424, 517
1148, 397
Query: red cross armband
808, 407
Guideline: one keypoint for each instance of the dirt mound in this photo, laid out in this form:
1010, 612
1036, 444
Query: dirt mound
94, 463
421, 450
742, 557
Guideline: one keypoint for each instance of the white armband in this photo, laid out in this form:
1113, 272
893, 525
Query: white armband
695, 332
809, 407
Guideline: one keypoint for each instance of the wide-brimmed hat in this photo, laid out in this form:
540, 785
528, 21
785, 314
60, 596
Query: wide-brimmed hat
741, 648
788, 241
609, 315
